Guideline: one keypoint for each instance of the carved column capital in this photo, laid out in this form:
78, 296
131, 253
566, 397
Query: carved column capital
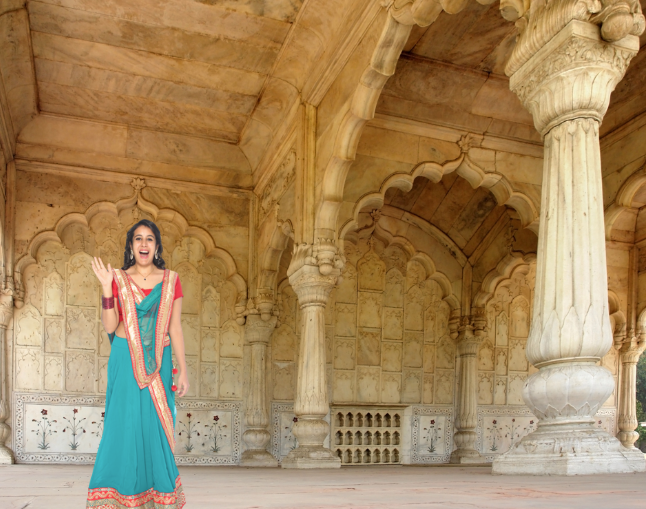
258, 330
471, 332
632, 349
313, 272
265, 302
467, 341
539, 22
572, 76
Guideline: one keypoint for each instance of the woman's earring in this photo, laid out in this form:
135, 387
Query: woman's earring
132, 254
156, 255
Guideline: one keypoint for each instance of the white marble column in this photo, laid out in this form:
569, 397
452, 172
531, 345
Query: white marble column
566, 84
630, 353
467, 412
312, 274
256, 436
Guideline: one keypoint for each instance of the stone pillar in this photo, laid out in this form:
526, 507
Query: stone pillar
6, 313
467, 415
629, 354
7, 309
312, 275
566, 84
256, 436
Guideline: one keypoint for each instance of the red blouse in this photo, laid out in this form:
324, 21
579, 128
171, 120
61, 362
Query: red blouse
115, 292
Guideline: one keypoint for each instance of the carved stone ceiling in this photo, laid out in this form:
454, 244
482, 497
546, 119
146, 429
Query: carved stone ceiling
192, 67
452, 74
464, 214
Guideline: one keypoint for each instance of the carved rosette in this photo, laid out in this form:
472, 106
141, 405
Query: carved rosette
572, 76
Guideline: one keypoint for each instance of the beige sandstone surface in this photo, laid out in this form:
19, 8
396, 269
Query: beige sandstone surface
408, 232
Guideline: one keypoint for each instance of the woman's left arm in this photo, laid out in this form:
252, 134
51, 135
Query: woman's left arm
177, 341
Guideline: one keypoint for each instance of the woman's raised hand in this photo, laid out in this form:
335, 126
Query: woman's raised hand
105, 276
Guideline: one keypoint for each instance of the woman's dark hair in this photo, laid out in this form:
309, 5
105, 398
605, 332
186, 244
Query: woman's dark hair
128, 256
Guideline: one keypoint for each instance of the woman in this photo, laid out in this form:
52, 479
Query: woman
135, 467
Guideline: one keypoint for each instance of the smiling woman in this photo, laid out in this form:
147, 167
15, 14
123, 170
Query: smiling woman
135, 466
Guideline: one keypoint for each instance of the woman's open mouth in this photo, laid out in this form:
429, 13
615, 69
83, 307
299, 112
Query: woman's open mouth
144, 253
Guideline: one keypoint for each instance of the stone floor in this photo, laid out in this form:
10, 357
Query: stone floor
58, 487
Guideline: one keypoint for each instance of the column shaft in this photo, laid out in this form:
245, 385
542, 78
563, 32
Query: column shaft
630, 353
467, 416
311, 405
256, 436
566, 85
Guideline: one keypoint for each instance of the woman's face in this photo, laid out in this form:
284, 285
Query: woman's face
144, 246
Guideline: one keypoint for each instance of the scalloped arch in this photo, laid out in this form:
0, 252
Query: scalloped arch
361, 108
624, 199
169, 215
502, 272
496, 183
270, 250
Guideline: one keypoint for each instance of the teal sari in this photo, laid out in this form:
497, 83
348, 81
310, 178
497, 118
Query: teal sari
135, 466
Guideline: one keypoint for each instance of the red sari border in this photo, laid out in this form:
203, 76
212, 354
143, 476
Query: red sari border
109, 498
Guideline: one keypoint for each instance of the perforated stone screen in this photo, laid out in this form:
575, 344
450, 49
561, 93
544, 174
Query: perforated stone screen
367, 436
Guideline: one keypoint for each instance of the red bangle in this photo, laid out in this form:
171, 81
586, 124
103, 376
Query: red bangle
107, 302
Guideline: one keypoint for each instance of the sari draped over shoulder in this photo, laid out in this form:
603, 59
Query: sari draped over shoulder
135, 466
146, 320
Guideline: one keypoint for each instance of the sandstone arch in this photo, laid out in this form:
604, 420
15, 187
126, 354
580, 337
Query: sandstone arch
504, 270
496, 183
113, 209
624, 200
361, 108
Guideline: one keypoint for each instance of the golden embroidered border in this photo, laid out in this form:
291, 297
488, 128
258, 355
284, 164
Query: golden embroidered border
109, 498
129, 296
166, 308
158, 395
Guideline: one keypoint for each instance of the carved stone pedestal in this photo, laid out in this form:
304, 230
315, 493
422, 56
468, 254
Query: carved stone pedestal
256, 437
312, 286
566, 85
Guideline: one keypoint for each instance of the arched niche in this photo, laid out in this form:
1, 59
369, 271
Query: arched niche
388, 328
60, 341
505, 297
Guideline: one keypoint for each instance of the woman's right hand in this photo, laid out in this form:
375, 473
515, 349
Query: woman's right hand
105, 276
